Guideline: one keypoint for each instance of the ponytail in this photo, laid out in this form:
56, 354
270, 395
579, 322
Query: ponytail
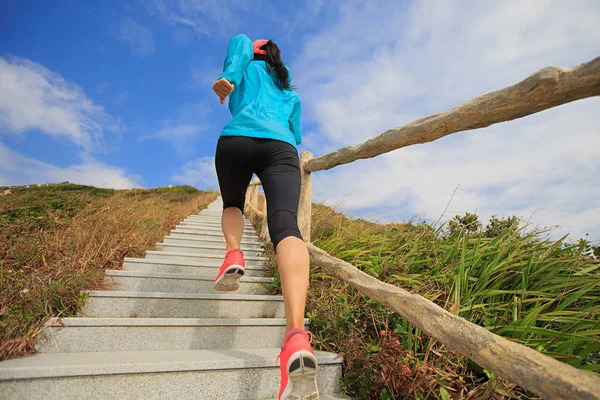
276, 66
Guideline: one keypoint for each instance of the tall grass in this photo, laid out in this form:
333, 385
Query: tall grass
58, 240
541, 293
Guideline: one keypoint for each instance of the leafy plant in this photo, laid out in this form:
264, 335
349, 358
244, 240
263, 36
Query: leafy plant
541, 293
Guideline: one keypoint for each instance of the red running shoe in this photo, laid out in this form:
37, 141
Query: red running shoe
228, 279
298, 367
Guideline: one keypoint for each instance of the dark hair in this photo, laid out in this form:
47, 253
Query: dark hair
276, 65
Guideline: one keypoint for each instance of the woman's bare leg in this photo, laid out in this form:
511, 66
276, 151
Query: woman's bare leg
293, 264
232, 223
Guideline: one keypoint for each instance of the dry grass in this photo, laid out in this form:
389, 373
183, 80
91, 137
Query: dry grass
539, 293
58, 240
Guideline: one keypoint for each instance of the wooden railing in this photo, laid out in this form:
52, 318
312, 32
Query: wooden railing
549, 87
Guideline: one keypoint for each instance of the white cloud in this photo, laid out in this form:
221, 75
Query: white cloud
120, 98
33, 97
200, 173
202, 78
16, 169
137, 36
434, 55
183, 128
205, 17
181, 137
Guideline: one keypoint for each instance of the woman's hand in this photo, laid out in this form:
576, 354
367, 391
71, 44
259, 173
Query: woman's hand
223, 88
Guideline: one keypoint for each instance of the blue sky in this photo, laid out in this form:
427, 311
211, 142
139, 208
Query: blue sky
118, 94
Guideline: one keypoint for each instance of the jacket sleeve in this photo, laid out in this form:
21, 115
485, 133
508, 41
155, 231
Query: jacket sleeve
239, 54
294, 122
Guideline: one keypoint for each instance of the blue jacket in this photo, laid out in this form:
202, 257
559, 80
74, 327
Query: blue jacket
259, 108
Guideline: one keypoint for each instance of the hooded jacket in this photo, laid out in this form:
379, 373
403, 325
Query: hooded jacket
259, 108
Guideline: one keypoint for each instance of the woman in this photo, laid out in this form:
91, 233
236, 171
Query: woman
261, 138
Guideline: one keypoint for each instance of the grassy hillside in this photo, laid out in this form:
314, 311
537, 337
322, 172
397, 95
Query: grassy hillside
543, 294
57, 240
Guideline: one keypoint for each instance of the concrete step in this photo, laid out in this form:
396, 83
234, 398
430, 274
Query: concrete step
198, 258
172, 374
137, 281
246, 240
204, 232
327, 396
208, 245
184, 267
203, 250
212, 225
202, 215
205, 226
211, 214
135, 334
212, 217
212, 231
212, 221
182, 305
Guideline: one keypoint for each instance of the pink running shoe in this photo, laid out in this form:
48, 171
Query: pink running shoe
228, 279
298, 367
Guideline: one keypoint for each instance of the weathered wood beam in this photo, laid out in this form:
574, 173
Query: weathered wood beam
305, 200
255, 182
534, 371
547, 88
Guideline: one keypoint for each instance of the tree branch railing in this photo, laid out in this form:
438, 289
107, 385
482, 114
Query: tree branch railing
547, 88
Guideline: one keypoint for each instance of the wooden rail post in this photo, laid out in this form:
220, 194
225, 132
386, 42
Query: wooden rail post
305, 203
247, 201
264, 231
253, 197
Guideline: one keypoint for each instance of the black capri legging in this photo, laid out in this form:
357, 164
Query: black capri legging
277, 166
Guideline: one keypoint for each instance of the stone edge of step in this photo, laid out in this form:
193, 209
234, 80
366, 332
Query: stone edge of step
54, 365
90, 322
183, 296
182, 263
208, 232
178, 229
211, 222
209, 249
211, 245
167, 275
212, 238
197, 255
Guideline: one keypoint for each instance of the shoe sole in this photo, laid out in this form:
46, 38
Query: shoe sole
230, 280
302, 377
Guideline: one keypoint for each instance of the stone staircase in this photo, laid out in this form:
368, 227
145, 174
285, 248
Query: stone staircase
163, 332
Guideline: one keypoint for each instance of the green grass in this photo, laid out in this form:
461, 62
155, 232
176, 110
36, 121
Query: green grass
540, 293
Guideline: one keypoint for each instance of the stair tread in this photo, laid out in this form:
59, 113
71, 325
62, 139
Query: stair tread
137, 321
182, 263
213, 244
183, 254
214, 236
183, 229
202, 246
48, 365
168, 275
211, 222
170, 295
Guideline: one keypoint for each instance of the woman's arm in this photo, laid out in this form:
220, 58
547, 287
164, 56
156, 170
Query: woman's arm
294, 122
239, 54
